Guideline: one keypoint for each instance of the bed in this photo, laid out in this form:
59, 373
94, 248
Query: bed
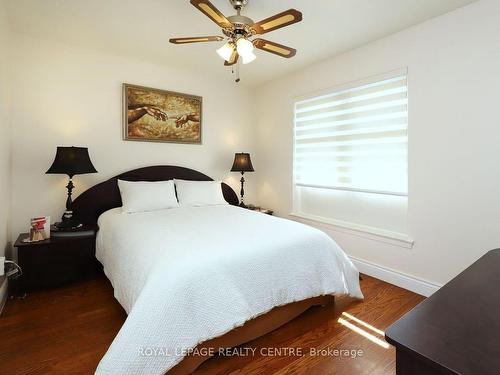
193, 278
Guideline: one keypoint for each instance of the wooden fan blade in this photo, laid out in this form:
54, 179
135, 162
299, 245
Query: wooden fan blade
233, 60
277, 49
207, 8
196, 39
288, 17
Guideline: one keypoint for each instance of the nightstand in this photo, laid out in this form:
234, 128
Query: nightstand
56, 261
259, 209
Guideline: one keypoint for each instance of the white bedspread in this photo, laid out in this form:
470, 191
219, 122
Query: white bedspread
186, 275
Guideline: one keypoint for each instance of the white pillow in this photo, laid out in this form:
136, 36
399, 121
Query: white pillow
199, 193
147, 196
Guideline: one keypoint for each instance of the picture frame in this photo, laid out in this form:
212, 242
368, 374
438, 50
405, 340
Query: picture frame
156, 115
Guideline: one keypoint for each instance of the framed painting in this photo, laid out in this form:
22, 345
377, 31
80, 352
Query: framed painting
154, 115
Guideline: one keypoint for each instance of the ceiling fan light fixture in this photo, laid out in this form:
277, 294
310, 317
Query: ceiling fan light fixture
245, 50
226, 51
248, 57
238, 29
244, 46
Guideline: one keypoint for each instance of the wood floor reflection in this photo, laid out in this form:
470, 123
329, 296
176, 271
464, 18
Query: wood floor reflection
68, 330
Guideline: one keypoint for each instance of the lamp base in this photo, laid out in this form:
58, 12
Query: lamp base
68, 225
243, 205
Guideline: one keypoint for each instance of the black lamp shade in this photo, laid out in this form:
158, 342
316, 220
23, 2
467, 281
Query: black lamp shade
242, 163
72, 161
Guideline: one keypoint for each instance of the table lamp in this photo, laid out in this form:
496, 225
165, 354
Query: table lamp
70, 161
242, 163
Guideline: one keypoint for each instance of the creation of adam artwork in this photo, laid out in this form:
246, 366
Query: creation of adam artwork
161, 116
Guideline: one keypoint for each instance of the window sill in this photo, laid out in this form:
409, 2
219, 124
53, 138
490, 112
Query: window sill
392, 238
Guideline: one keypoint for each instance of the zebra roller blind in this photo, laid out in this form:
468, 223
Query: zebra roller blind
355, 138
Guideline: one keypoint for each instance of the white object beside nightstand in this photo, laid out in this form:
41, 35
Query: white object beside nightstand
3, 292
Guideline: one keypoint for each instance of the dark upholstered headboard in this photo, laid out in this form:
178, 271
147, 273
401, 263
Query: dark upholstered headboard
104, 196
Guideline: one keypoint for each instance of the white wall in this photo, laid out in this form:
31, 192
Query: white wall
4, 131
67, 96
454, 136
62, 95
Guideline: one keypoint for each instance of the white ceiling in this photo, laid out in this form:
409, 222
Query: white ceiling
141, 28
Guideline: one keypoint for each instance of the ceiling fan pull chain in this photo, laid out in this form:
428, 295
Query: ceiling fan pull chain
237, 72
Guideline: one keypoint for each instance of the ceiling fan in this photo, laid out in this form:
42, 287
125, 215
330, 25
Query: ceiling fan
239, 30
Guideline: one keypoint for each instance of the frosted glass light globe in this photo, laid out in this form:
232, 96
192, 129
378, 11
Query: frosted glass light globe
245, 50
226, 51
248, 58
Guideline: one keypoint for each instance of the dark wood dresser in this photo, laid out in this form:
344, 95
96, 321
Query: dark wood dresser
457, 329
55, 262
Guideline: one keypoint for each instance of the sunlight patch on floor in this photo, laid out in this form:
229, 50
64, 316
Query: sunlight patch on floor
362, 331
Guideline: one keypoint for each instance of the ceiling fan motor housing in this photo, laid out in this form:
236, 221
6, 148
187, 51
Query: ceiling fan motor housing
242, 26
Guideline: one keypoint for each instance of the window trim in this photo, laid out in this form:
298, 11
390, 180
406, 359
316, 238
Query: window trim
356, 190
359, 230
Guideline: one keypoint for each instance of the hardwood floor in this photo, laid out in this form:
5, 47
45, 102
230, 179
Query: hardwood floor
68, 330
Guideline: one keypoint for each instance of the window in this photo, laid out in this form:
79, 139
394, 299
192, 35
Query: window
351, 153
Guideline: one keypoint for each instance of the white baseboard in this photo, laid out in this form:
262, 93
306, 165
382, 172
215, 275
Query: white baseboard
416, 285
3, 292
